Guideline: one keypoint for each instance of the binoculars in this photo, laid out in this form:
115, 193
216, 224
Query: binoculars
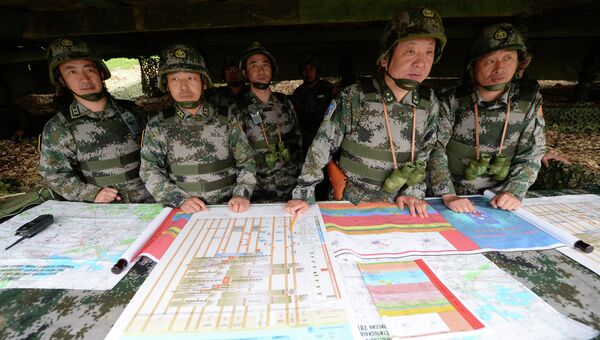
479, 167
276, 152
409, 174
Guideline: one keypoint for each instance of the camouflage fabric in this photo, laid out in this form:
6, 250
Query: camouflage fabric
277, 115
83, 151
356, 117
310, 103
524, 144
181, 58
176, 140
65, 49
411, 24
563, 176
494, 38
222, 97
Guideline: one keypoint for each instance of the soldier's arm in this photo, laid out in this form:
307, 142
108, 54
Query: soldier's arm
440, 180
58, 159
327, 141
243, 154
530, 149
153, 168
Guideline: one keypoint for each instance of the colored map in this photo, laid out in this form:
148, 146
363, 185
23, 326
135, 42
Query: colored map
372, 230
259, 274
78, 250
471, 288
578, 215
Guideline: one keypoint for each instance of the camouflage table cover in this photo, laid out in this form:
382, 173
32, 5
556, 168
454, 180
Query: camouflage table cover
569, 287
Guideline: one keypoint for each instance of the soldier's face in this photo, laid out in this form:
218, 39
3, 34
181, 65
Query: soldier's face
309, 73
81, 76
258, 69
412, 59
496, 67
233, 74
185, 86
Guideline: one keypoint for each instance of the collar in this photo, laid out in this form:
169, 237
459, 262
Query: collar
77, 110
494, 104
412, 98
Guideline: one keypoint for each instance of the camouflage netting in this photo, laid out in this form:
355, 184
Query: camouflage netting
584, 117
149, 68
561, 176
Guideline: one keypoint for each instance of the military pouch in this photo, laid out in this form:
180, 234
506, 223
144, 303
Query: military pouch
499, 168
478, 167
398, 178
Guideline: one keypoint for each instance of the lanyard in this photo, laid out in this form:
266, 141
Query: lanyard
412, 142
475, 108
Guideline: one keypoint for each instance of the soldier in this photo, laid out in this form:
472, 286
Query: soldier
492, 133
271, 125
225, 96
385, 126
191, 155
90, 148
311, 98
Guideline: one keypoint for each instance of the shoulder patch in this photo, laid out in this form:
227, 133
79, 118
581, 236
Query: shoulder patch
330, 109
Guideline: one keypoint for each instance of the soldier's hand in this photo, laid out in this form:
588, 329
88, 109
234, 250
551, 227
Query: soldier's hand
505, 201
414, 205
550, 155
238, 204
107, 195
458, 204
296, 206
193, 205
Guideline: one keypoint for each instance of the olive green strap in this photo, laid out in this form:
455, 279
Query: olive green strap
198, 169
367, 174
363, 151
111, 163
457, 151
287, 138
207, 186
103, 181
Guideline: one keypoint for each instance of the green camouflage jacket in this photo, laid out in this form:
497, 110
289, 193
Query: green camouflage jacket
83, 151
204, 155
524, 143
278, 118
355, 123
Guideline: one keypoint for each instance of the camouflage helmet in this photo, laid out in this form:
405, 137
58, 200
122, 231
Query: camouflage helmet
66, 49
308, 59
412, 24
181, 58
497, 37
257, 48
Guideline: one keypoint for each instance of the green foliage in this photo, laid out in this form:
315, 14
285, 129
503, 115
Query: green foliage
122, 63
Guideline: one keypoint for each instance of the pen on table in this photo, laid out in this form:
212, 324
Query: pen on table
293, 222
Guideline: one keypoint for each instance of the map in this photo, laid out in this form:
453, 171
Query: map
578, 215
373, 230
473, 290
259, 274
78, 250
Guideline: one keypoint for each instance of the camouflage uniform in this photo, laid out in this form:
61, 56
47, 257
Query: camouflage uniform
278, 117
524, 144
355, 123
204, 155
223, 98
83, 151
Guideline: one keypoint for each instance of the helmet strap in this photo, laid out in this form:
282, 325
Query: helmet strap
405, 84
189, 104
91, 97
260, 86
496, 87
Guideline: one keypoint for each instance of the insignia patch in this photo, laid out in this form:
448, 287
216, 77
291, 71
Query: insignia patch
75, 113
66, 42
500, 34
427, 13
330, 110
179, 53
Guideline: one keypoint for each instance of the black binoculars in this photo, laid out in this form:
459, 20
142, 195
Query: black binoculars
409, 174
479, 167
276, 152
